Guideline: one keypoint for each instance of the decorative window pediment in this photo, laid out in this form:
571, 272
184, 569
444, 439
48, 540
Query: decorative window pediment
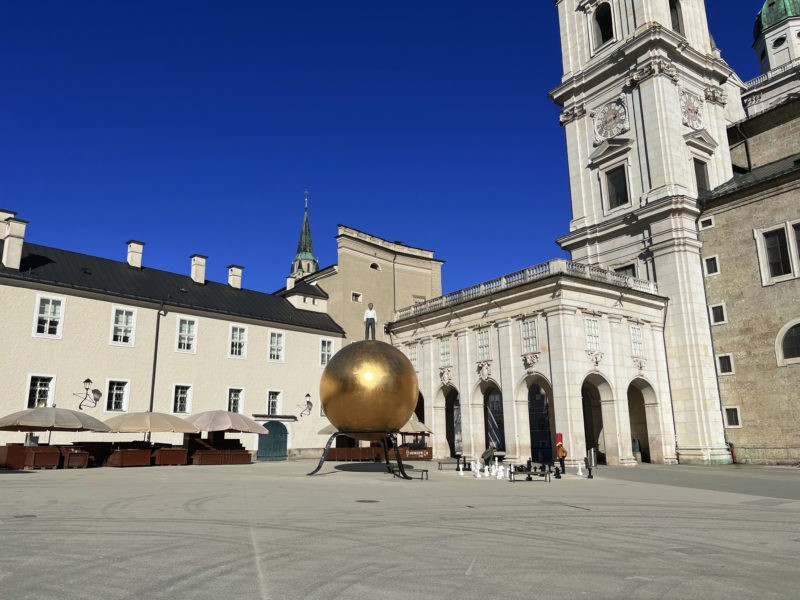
609, 150
701, 140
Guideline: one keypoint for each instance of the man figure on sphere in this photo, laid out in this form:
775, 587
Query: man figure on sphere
370, 318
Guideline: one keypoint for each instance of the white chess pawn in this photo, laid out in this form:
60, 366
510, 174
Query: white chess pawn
500, 472
486, 473
477, 473
460, 470
580, 471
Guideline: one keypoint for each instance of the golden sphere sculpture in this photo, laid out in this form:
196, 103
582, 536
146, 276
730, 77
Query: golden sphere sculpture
368, 386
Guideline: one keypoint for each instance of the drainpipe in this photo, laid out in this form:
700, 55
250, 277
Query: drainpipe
161, 312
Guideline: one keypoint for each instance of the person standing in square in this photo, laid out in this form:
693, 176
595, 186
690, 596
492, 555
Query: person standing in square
370, 318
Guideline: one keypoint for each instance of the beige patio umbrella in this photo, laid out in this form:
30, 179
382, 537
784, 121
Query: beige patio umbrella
414, 425
327, 430
224, 420
143, 422
50, 418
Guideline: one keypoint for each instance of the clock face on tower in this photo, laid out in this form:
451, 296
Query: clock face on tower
611, 120
691, 110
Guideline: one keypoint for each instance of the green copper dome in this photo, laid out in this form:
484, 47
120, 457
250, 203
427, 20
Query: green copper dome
773, 12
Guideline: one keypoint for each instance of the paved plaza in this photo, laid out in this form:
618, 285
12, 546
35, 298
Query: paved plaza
267, 531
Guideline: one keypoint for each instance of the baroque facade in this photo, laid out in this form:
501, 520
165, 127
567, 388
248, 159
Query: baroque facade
656, 128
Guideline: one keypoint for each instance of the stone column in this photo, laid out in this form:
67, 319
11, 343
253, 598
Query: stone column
566, 346
464, 380
619, 334
662, 411
506, 375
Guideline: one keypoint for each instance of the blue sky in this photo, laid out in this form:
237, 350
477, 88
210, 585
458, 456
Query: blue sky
195, 126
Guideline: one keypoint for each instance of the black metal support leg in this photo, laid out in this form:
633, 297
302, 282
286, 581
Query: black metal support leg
385, 446
397, 456
324, 453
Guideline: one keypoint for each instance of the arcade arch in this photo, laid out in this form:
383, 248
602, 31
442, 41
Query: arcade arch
594, 391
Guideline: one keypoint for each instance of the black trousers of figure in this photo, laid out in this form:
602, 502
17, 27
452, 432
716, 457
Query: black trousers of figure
561, 460
369, 324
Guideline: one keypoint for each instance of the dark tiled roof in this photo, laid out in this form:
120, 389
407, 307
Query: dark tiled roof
304, 289
46, 265
758, 175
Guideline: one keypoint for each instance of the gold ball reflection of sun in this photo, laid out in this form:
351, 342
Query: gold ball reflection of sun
368, 386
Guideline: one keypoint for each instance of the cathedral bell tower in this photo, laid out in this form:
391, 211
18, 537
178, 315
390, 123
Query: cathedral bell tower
646, 101
304, 262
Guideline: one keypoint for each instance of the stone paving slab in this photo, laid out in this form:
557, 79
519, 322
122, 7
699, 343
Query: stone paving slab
268, 531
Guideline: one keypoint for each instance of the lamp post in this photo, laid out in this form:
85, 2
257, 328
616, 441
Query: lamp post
309, 406
90, 402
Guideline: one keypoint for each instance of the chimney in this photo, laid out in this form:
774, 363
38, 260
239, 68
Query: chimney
235, 276
135, 253
4, 215
199, 268
13, 236
289, 282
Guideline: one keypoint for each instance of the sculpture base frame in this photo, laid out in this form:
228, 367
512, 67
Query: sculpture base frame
389, 436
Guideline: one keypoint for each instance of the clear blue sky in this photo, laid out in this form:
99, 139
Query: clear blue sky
195, 126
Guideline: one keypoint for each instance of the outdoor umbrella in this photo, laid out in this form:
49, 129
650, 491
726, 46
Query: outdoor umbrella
414, 425
327, 430
224, 420
142, 422
50, 418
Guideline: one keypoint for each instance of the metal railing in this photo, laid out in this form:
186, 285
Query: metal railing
535, 273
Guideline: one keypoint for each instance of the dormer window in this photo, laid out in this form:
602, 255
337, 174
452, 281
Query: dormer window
779, 42
603, 25
675, 16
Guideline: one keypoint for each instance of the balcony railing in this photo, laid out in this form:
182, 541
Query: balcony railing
535, 273
773, 73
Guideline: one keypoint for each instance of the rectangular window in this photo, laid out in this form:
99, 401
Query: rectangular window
412, 355
718, 314
276, 346
325, 352
355, 297
637, 341
732, 416
235, 399
187, 335
592, 334
238, 342
182, 399
444, 352
777, 253
725, 364
530, 338
617, 187
273, 402
49, 317
117, 396
122, 327
712, 266
707, 223
484, 351
797, 239
627, 271
700, 175
40, 391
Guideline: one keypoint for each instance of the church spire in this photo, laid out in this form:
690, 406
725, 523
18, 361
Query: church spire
304, 261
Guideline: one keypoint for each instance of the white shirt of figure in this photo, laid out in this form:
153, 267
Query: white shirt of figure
370, 314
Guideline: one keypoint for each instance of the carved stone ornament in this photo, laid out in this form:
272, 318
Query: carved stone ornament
716, 95
610, 120
529, 361
568, 115
595, 356
691, 110
639, 362
657, 66
484, 370
446, 375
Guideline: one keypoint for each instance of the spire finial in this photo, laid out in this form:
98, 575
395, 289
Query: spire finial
306, 199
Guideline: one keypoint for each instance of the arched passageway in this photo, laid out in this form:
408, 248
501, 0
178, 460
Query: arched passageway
452, 416
640, 439
593, 419
493, 417
542, 423
420, 408
646, 422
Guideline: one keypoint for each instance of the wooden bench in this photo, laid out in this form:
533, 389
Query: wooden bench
529, 475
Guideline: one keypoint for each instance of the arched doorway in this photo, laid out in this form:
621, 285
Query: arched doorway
273, 445
493, 417
640, 440
420, 408
645, 418
593, 419
542, 423
452, 422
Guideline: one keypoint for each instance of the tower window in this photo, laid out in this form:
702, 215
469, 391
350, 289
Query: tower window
375, 267
617, 187
777, 253
676, 19
791, 343
779, 42
603, 25
701, 175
